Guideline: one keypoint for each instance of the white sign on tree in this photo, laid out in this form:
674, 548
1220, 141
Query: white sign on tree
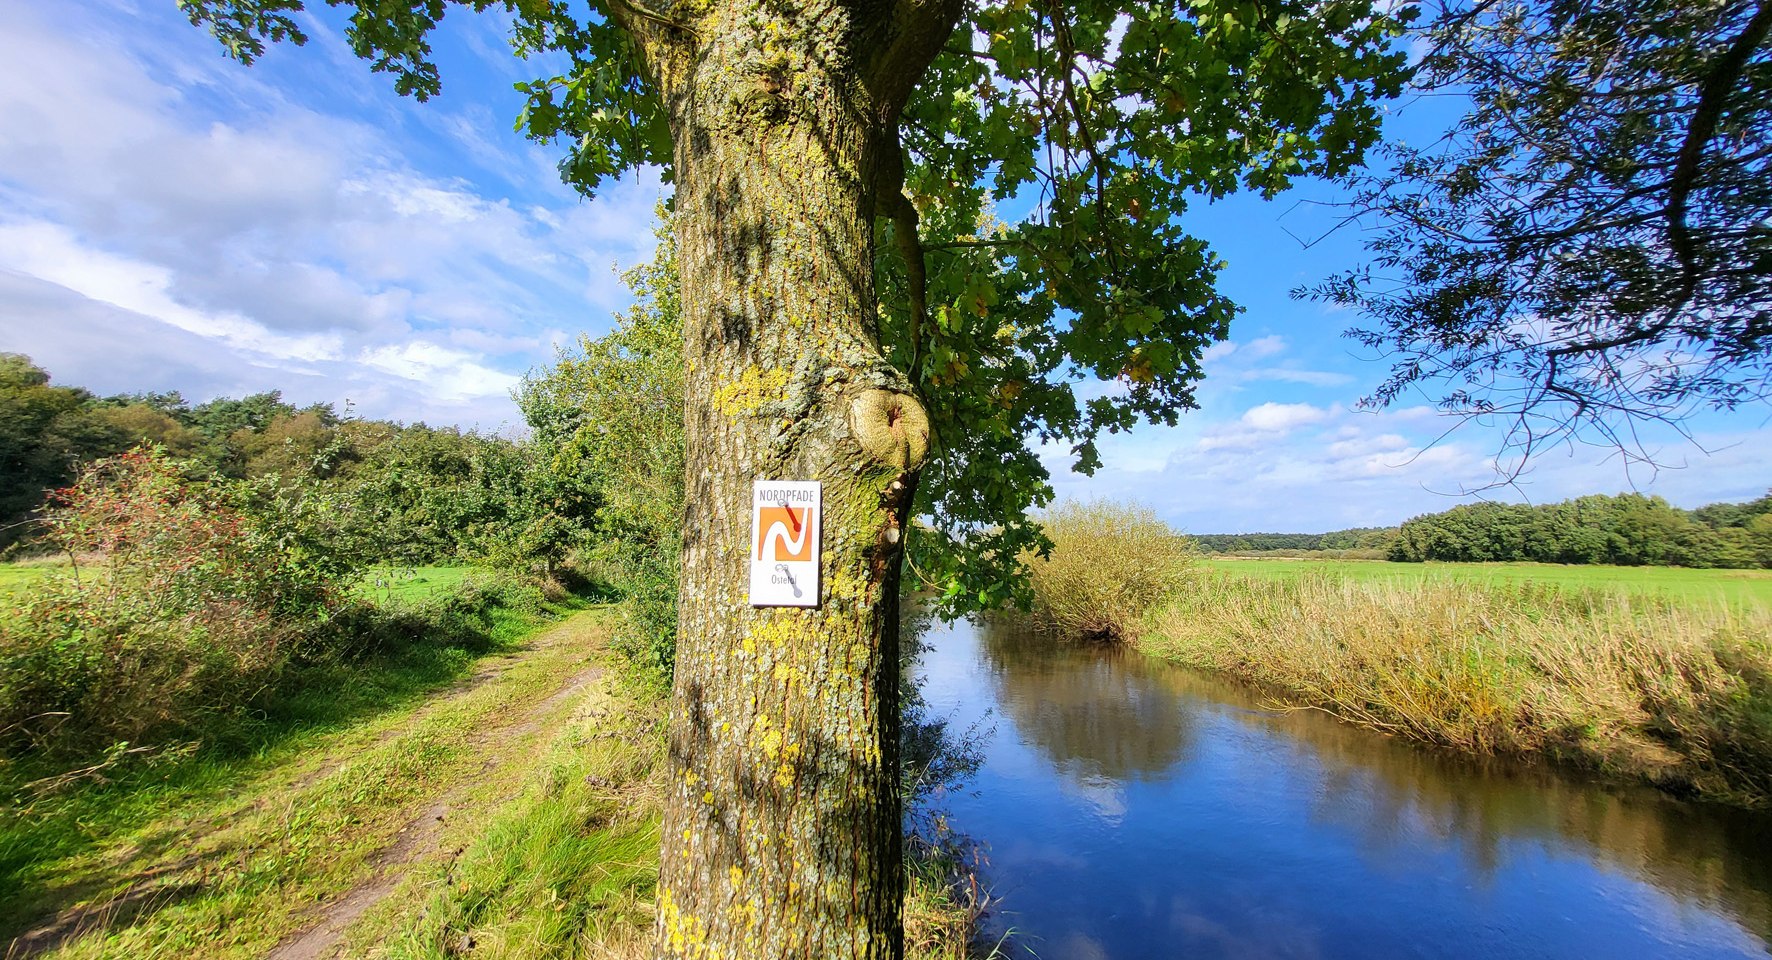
785, 519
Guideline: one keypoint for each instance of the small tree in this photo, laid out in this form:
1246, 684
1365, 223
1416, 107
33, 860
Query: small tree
609, 413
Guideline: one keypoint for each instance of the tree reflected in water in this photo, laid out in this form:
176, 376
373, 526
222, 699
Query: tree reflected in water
1092, 711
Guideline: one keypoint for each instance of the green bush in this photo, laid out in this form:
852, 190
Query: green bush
1110, 563
203, 592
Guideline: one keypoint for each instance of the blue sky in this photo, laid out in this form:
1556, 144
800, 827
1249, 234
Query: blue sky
172, 220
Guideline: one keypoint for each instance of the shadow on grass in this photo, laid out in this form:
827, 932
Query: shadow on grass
56, 879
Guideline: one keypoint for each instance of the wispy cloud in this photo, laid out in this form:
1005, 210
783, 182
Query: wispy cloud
286, 224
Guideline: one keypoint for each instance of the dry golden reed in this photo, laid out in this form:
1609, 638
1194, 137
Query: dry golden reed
1678, 694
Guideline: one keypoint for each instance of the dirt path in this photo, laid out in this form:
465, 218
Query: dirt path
418, 839
357, 793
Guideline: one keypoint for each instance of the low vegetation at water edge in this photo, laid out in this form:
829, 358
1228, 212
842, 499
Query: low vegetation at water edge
1679, 694
1667, 678
1109, 563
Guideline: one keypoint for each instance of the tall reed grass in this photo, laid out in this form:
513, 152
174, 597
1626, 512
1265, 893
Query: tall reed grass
1110, 564
1679, 695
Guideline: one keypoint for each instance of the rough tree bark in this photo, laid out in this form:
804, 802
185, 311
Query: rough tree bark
782, 820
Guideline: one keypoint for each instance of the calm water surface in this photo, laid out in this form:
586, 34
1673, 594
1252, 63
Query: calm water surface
1134, 809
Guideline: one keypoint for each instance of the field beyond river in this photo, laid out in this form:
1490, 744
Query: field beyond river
1735, 587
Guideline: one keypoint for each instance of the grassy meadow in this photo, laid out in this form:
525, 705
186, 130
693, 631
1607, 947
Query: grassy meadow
1685, 584
18, 577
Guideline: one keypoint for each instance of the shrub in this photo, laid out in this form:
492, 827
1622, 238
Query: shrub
610, 411
203, 591
1110, 563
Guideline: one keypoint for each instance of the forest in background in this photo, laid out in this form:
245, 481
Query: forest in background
1626, 529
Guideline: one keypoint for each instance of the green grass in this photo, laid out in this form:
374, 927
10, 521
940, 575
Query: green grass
565, 868
392, 584
18, 577
52, 844
1732, 587
247, 845
410, 584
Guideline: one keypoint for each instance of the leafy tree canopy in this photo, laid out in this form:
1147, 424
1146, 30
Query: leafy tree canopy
1628, 529
1102, 121
1589, 246
609, 413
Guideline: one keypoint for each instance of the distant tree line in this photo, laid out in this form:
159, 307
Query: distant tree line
1354, 538
410, 494
1628, 529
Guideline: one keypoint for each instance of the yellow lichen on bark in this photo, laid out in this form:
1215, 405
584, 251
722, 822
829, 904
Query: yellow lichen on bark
751, 390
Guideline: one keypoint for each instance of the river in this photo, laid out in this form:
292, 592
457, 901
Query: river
1128, 808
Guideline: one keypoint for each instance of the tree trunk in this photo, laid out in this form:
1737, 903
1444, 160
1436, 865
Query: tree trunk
781, 834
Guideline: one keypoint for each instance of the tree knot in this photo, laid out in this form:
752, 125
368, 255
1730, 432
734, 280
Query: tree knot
891, 427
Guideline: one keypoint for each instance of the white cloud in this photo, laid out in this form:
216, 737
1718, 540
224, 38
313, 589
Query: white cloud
452, 374
1263, 347
51, 253
1315, 378
288, 223
1282, 417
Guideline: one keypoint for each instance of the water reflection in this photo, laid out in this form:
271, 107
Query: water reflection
1135, 809
1093, 711
1711, 856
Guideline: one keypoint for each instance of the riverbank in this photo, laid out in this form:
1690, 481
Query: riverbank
1136, 808
1675, 693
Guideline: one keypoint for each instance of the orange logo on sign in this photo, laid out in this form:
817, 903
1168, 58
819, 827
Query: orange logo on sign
784, 532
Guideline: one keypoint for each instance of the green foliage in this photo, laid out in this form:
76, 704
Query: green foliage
438, 495
199, 599
204, 591
1110, 563
1627, 529
1111, 117
394, 493
608, 419
44, 432
1587, 246
1353, 538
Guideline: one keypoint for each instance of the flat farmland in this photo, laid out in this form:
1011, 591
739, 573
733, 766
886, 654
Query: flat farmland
1728, 587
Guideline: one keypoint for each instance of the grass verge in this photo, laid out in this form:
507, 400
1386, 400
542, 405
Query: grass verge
1634, 686
567, 867
514, 814
77, 849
